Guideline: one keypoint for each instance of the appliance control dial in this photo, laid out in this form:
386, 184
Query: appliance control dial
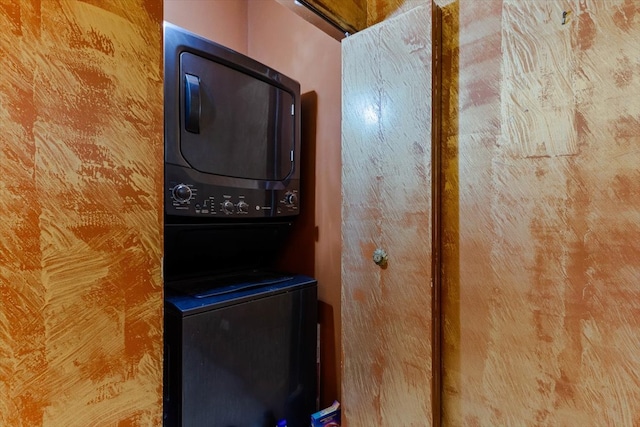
227, 207
290, 199
242, 207
181, 193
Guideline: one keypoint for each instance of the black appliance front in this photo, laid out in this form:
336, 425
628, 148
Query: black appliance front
232, 133
243, 355
195, 250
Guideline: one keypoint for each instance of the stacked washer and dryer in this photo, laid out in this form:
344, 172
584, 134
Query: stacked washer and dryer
240, 336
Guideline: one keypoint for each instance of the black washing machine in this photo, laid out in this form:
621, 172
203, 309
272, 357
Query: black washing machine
240, 342
240, 350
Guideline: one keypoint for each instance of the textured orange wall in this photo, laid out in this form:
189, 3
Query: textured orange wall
542, 213
223, 21
284, 41
81, 231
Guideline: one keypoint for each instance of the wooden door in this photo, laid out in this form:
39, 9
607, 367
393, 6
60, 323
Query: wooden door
386, 193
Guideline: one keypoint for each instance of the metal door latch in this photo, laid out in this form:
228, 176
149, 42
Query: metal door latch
380, 257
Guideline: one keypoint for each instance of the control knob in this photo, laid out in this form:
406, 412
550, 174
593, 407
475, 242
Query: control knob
227, 207
242, 207
290, 199
181, 193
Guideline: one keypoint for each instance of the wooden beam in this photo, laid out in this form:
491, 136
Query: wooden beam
350, 15
379, 10
314, 18
340, 18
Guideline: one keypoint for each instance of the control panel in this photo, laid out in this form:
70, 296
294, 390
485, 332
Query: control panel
188, 199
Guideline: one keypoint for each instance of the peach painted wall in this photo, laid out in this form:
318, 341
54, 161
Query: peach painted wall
542, 213
286, 42
81, 199
223, 21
